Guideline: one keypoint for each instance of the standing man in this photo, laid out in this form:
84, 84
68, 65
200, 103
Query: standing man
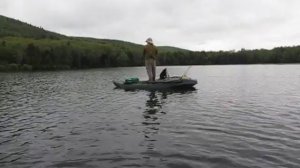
150, 54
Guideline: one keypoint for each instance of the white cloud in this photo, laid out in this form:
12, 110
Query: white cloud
191, 24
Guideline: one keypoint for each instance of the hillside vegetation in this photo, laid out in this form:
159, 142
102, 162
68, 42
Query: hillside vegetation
26, 47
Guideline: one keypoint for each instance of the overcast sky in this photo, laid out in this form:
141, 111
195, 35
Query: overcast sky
190, 24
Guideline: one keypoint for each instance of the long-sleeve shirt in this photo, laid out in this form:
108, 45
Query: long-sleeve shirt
150, 51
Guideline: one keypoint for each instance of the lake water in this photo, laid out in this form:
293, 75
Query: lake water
238, 116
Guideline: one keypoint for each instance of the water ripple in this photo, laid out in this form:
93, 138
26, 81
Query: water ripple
238, 116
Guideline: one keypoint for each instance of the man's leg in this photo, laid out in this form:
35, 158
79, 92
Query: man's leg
149, 69
154, 70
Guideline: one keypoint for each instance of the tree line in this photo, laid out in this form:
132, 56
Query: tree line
64, 55
19, 54
258, 56
27, 47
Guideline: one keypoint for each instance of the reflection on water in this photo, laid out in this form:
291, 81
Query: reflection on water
154, 113
239, 116
152, 121
153, 107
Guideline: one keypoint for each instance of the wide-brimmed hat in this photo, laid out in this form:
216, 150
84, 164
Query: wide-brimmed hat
149, 40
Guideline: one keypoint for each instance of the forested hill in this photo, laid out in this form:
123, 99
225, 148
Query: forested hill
27, 47
12, 27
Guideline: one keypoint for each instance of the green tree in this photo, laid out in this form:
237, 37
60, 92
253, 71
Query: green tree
33, 56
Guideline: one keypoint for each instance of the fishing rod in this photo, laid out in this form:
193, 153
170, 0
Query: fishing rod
185, 72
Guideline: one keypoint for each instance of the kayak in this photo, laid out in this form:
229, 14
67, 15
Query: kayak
160, 84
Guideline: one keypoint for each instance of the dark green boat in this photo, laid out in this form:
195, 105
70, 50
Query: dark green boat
160, 84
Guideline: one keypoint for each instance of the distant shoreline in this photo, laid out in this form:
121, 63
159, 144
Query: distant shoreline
83, 69
24, 47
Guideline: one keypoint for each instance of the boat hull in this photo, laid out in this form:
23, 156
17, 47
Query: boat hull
171, 83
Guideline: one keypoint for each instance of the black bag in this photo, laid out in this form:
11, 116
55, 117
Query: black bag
163, 74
